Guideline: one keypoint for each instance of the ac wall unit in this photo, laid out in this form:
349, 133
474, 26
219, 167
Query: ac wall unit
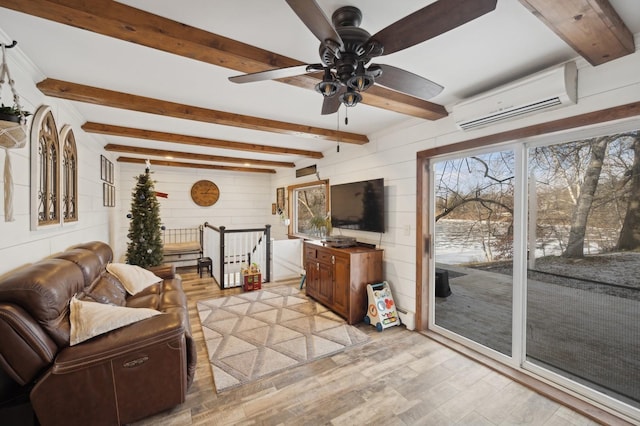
543, 91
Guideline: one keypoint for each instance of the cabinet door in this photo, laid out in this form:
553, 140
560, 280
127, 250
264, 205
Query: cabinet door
312, 278
325, 283
341, 285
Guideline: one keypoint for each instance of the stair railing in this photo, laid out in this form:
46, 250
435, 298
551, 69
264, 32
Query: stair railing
229, 249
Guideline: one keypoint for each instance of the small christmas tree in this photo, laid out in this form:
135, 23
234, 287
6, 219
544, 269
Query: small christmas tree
145, 242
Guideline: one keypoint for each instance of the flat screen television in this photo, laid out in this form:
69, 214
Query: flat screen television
358, 205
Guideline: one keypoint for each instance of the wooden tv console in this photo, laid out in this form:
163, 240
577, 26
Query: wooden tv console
338, 277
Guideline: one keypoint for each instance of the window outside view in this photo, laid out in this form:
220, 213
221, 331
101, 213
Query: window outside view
311, 213
474, 231
583, 295
583, 257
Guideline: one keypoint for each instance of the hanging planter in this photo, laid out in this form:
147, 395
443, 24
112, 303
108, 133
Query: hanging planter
13, 131
13, 119
13, 128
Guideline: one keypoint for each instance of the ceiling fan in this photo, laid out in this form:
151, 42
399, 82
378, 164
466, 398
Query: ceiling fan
346, 49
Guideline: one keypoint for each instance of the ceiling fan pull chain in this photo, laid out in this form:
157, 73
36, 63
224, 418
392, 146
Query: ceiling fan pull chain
338, 131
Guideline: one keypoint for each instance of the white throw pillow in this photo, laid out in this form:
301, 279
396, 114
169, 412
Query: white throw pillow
133, 277
90, 319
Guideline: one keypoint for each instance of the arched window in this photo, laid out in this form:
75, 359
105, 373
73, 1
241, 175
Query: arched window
69, 175
45, 169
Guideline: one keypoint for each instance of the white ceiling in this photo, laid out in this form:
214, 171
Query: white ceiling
500, 46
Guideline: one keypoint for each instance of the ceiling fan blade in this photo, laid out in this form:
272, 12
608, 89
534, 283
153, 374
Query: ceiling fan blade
407, 82
276, 73
316, 20
331, 104
431, 21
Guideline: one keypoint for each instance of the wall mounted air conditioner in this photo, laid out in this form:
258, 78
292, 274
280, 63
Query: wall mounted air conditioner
543, 91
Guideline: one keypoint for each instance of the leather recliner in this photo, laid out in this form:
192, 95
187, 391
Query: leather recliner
118, 377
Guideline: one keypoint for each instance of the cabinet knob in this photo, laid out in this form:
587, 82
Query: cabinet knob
317, 266
333, 260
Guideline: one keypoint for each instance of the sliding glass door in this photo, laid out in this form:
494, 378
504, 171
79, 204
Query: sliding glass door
536, 259
473, 244
583, 286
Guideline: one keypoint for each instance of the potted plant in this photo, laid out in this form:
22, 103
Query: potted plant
321, 225
13, 114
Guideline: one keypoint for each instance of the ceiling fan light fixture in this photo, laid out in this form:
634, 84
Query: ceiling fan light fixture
327, 88
350, 98
361, 80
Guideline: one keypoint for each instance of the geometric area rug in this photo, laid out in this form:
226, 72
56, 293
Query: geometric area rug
255, 334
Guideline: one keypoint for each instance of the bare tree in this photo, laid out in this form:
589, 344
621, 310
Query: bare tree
479, 190
630, 233
575, 246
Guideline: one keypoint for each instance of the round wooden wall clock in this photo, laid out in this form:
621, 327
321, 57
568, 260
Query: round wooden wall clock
205, 193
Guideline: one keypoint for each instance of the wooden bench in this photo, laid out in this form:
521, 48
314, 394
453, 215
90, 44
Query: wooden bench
182, 244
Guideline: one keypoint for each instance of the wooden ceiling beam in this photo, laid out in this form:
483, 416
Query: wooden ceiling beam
591, 27
193, 156
130, 132
127, 23
123, 22
105, 97
194, 165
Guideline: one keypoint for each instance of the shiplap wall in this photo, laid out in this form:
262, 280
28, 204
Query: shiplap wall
394, 160
18, 244
245, 199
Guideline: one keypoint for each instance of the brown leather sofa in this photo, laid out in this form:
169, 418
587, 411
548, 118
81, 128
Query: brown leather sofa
124, 375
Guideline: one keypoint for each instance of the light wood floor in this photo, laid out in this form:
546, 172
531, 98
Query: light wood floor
399, 378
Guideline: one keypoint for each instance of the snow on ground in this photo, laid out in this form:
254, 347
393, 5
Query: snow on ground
615, 273
622, 268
